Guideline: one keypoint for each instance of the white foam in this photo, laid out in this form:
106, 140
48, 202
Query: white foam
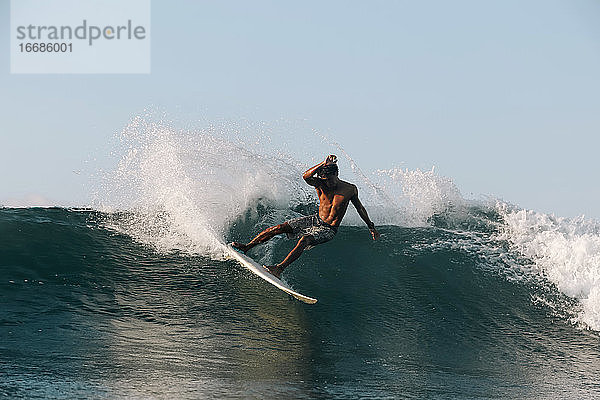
418, 195
400, 196
565, 251
182, 189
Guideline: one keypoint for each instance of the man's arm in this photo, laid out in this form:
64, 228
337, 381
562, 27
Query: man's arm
363, 214
309, 175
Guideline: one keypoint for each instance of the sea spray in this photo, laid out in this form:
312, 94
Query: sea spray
399, 196
422, 194
181, 189
565, 251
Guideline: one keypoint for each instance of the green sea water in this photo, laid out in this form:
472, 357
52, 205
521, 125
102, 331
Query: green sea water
88, 311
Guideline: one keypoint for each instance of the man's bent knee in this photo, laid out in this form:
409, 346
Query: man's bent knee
306, 240
277, 229
285, 228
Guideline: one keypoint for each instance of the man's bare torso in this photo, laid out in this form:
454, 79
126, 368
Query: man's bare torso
333, 202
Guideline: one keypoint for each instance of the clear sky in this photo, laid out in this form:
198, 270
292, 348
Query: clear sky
501, 96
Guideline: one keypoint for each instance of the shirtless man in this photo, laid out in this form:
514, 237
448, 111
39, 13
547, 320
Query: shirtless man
334, 196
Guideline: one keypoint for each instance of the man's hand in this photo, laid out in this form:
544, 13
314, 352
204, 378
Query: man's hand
374, 233
309, 175
331, 159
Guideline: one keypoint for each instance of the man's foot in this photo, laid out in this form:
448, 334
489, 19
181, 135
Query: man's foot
240, 246
275, 270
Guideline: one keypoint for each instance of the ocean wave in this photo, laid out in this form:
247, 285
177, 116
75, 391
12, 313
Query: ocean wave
192, 190
565, 251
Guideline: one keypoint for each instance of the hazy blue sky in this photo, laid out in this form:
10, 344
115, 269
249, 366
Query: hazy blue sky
503, 97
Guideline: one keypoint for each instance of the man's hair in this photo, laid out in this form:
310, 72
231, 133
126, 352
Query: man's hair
328, 169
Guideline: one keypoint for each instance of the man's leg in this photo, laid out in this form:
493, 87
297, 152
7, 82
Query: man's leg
292, 256
264, 236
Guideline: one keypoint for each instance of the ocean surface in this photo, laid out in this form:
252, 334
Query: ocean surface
133, 298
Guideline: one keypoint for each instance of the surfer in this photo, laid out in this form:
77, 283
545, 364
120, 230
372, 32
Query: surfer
334, 197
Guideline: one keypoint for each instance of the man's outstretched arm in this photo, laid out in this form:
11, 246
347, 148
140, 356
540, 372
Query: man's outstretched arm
365, 217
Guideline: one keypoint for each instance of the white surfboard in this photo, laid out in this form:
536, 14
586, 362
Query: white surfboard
261, 271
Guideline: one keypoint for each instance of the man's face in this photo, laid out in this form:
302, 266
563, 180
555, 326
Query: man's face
330, 180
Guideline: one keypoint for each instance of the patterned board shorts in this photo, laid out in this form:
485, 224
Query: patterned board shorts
311, 225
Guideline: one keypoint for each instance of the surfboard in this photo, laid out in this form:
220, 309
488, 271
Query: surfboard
261, 271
